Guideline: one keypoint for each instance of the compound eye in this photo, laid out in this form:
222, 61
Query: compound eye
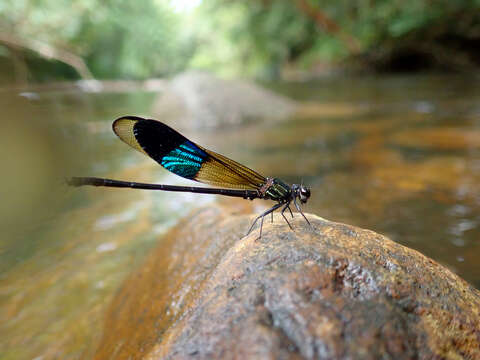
304, 194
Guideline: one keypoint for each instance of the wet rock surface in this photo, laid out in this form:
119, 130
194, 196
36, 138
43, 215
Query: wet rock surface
335, 292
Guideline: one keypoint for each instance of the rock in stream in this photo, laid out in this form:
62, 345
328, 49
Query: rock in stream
335, 292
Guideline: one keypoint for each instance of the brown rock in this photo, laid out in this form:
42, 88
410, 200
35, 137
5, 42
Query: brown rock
338, 292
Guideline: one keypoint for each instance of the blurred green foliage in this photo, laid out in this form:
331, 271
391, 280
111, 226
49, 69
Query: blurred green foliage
269, 35
116, 39
150, 38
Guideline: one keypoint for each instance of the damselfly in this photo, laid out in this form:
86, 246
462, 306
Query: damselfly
183, 157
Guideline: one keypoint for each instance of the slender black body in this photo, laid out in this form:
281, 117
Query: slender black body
184, 158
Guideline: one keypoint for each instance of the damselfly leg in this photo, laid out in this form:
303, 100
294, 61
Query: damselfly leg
261, 216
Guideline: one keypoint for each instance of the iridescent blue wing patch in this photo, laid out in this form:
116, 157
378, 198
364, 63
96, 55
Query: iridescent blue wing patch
185, 160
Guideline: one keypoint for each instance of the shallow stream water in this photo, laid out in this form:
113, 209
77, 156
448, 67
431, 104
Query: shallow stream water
397, 155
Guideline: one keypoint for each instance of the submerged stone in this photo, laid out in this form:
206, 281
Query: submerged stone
439, 139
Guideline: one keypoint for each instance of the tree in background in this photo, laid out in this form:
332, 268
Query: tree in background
388, 35
109, 39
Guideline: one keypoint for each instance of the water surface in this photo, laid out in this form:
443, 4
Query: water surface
397, 155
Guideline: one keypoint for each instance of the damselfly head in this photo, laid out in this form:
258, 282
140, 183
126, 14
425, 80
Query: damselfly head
302, 192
